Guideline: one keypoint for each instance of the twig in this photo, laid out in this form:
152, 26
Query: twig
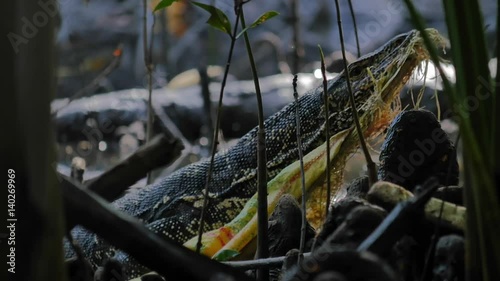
353, 17
398, 220
302, 173
207, 103
274, 262
148, 62
160, 151
169, 125
162, 16
354, 265
496, 100
262, 218
78, 165
297, 50
130, 235
372, 169
216, 134
327, 131
426, 272
117, 56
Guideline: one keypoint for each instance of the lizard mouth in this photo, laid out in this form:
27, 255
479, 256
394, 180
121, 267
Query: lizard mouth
377, 78
397, 67
403, 60
382, 103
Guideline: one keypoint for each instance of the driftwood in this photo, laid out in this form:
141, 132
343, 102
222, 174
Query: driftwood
399, 220
160, 151
351, 214
186, 107
128, 234
349, 263
357, 264
356, 226
388, 195
260, 263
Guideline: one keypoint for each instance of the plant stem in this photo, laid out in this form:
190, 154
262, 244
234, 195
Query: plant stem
93, 85
496, 108
302, 173
327, 131
297, 48
355, 28
481, 199
149, 67
216, 134
262, 238
274, 262
372, 170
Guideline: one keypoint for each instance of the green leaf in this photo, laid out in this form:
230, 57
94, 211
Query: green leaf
477, 129
163, 4
226, 255
217, 18
263, 18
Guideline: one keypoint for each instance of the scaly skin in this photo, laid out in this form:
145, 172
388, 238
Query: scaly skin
172, 206
228, 241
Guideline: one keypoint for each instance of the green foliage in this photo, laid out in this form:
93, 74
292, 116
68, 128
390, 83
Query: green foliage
220, 21
471, 58
217, 18
226, 255
164, 4
475, 103
262, 19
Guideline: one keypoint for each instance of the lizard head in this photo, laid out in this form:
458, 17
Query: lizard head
377, 78
376, 81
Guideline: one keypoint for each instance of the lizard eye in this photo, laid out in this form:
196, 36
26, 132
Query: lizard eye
356, 71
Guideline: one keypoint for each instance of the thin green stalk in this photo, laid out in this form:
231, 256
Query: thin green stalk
262, 237
327, 131
481, 198
302, 173
355, 28
470, 57
216, 135
496, 103
207, 103
454, 98
475, 62
372, 169
468, 136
